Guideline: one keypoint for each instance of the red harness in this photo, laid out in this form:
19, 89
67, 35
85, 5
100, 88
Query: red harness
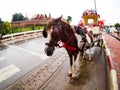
69, 47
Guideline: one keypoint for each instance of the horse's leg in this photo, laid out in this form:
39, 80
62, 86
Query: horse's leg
81, 56
71, 63
90, 55
74, 74
84, 54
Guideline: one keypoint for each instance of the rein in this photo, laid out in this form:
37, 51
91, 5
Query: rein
71, 36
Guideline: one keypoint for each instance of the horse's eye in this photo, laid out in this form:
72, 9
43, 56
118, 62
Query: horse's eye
52, 27
54, 35
60, 27
81, 41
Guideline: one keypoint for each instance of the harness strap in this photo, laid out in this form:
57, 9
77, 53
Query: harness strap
68, 47
72, 35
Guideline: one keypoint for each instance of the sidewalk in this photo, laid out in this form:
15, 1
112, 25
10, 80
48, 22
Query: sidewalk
114, 47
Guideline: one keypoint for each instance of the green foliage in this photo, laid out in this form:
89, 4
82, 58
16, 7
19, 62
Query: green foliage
69, 19
1, 21
1, 25
5, 27
33, 27
117, 25
16, 30
18, 17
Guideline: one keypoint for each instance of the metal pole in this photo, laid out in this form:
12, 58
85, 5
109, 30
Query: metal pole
95, 5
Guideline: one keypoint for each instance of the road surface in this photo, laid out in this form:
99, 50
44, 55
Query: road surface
24, 66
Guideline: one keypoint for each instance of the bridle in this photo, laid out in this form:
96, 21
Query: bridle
50, 44
59, 27
64, 44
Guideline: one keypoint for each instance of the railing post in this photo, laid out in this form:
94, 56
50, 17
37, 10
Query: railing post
25, 36
12, 38
35, 35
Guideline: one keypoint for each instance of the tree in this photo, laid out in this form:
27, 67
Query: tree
69, 19
1, 21
1, 25
117, 25
5, 27
18, 17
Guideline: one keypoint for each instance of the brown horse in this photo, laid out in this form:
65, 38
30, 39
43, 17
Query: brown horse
73, 40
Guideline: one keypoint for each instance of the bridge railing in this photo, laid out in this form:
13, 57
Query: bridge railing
22, 36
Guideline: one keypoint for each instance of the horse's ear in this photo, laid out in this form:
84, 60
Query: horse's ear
58, 19
44, 33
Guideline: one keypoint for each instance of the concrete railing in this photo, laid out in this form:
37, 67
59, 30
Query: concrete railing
23, 36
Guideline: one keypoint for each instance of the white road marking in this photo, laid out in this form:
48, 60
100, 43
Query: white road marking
41, 56
8, 71
2, 58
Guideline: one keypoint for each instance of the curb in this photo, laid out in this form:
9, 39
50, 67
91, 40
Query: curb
112, 71
115, 37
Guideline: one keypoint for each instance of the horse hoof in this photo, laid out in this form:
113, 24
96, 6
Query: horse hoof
82, 61
90, 59
69, 74
74, 76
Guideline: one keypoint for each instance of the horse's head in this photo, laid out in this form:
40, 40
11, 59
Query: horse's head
52, 33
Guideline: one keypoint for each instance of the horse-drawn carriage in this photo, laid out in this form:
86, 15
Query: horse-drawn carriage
61, 34
97, 35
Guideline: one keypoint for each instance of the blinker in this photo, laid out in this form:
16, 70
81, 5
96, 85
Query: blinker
44, 33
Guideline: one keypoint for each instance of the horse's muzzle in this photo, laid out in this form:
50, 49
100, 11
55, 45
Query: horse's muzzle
49, 51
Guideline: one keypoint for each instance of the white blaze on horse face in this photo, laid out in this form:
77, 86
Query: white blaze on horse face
49, 36
79, 39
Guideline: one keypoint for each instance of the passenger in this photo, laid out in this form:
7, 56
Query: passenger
82, 26
118, 30
107, 29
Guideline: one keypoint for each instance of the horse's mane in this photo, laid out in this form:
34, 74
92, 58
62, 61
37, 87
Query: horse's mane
63, 22
68, 26
70, 33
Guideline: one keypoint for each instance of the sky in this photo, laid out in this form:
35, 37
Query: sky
108, 9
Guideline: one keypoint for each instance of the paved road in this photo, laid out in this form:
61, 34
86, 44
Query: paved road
27, 68
93, 75
19, 59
